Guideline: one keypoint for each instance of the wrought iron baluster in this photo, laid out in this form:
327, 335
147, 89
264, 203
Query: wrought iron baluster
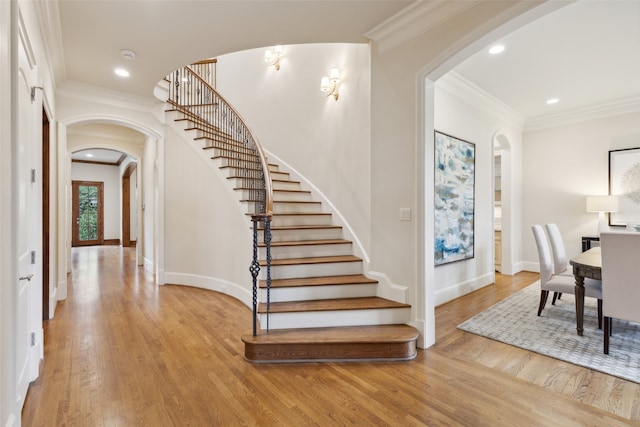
255, 269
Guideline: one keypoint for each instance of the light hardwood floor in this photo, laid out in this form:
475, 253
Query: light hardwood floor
124, 352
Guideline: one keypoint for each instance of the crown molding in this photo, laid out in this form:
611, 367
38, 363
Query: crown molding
603, 110
461, 88
91, 93
48, 14
416, 19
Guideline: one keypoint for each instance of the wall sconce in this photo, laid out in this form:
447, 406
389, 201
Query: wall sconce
329, 85
602, 205
273, 57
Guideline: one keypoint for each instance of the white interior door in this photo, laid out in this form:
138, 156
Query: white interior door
30, 280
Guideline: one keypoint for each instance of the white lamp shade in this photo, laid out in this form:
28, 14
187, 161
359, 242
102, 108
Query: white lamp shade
334, 75
602, 204
324, 84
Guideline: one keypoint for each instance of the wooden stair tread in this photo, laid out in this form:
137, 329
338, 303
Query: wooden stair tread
351, 279
307, 243
297, 201
338, 304
301, 227
353, 334
312, 260
294, 214
351, 343
291, 191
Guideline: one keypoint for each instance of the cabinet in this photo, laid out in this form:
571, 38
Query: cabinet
497, 246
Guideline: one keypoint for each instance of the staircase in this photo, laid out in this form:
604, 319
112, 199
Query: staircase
321, 306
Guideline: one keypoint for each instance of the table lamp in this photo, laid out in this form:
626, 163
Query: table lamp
602, 205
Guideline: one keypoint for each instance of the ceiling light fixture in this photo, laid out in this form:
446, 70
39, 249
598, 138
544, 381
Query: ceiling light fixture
127, 54
122, 72
552, 101
494, 50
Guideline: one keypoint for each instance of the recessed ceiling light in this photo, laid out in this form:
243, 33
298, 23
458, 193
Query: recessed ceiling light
89, 155
122, 72
551, 101
494, 50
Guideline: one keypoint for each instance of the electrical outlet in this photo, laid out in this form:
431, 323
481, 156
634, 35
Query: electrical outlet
405, 214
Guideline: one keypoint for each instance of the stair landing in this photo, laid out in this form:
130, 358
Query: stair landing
355, 343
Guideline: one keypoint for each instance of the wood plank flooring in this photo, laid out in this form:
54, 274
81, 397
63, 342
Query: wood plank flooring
124, 352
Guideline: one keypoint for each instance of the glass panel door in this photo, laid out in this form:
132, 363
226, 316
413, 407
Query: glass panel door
87, 213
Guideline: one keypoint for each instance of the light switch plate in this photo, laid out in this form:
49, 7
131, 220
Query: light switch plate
405, 214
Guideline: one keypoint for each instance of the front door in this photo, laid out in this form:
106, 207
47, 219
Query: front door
88, 223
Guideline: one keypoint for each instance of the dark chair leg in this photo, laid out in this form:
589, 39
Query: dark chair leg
559, 295
543, 301
599, 314
556, 296
607, 330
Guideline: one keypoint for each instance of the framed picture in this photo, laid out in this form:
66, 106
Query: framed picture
624, 181
455, 163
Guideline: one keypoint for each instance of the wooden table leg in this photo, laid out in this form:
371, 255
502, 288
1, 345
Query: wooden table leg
579, 304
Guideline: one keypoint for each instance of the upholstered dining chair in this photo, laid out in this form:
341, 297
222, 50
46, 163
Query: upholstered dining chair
620, 279
558, 283
560, 259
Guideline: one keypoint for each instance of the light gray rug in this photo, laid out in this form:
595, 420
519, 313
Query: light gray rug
514, 321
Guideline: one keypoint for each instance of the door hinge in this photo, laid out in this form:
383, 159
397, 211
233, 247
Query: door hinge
33, 339
33, 257
33, 176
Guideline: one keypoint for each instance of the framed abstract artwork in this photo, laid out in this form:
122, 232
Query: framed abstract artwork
455, 163
624, 182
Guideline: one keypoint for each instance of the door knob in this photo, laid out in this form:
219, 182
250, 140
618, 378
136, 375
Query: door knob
26, 277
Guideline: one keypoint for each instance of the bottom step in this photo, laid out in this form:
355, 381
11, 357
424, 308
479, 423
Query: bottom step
352, 343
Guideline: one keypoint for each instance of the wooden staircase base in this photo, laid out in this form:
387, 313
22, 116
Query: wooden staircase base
353, 343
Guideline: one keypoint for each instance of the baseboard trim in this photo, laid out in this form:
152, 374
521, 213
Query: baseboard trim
459, 289
388, 289
211, 283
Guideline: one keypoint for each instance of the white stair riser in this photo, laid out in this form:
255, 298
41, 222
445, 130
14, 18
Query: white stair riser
301, 234
323, 319
214, 152
277, 185
304, 293
291, 196
298, 220
312, 270
284, 207
285, 185
307, 251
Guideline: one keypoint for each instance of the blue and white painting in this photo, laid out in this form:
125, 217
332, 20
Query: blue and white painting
454, 198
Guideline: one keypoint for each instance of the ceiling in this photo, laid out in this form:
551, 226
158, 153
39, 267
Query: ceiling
586, 53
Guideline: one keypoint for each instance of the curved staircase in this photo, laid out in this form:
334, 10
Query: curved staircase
319, 305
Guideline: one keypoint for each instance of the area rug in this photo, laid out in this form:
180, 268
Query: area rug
514, 321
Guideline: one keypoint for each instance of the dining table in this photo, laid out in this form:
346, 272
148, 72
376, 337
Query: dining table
587, 264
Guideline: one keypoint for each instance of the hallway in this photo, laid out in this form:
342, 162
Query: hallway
122, 351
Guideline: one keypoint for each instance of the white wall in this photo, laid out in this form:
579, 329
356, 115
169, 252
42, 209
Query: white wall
208, 237
456, 114
109, 176
561, 166
326, 141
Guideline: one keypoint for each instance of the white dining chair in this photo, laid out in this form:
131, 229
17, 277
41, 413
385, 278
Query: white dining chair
559, 252
620, 279
560, 260
550, 282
